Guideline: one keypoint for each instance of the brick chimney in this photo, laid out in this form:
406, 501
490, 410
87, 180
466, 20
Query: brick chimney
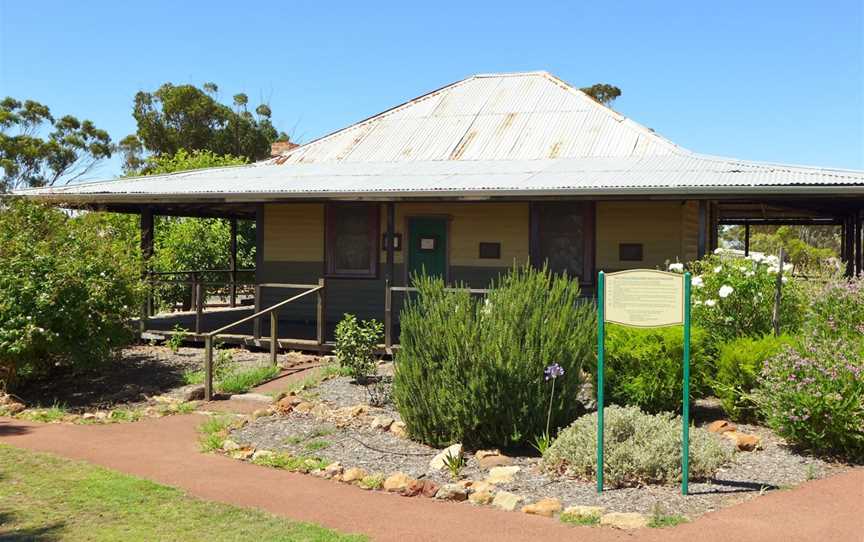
278, 148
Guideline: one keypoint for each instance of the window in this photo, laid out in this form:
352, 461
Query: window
352, 240
562, 238
490, 251
630, 252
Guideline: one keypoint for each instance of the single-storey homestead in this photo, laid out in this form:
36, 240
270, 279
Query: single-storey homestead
472, 178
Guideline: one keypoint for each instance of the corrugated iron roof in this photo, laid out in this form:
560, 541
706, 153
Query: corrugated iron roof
525, 116
488, 135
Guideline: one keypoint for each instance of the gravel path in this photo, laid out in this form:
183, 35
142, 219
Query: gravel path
356, 444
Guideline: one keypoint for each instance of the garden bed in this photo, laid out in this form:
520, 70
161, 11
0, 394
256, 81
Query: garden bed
336, 424
143, 381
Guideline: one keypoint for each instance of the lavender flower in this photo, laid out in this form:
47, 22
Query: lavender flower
553, 371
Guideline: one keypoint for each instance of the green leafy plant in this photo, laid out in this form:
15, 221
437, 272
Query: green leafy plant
355, 345
68, 291
468, 368
812, 394
542, 442
738, 367
455, 464
640, 449
644, 367
176, 340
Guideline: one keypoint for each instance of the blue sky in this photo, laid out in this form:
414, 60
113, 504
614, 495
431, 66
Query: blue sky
768, 80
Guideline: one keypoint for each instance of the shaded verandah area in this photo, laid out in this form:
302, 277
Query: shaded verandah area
315, 332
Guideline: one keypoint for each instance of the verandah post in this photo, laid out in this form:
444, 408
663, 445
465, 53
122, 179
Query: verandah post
274, 331
256, 325
601, 332
208, 367
199, 304
147, 231
321, 313
232, 265
388, 315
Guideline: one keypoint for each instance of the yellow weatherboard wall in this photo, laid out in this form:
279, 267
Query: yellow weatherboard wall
666, 231
471, 224
294, 232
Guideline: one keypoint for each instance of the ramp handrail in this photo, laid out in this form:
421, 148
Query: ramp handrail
274, 326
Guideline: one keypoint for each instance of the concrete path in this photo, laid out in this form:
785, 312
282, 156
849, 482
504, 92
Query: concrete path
165, 450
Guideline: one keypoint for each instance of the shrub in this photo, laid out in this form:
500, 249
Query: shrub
639, 449
812, 394
472, 370
734, 297
355, 345
838, 310
67, 290
738, 367
644, 367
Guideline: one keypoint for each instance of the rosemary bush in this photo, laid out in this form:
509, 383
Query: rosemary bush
472, 369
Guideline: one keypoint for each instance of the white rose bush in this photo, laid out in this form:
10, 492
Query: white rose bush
734, 296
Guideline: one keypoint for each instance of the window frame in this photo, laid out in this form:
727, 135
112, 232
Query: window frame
373, 234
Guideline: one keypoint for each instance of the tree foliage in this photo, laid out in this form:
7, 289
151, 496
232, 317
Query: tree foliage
602, 92
68, 287
185, 117
810, 249
37, 149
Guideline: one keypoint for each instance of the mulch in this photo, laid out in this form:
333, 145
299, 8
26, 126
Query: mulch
750, 474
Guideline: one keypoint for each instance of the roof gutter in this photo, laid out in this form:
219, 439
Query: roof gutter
253, 197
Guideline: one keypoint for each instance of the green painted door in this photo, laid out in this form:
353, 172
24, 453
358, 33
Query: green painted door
427, 246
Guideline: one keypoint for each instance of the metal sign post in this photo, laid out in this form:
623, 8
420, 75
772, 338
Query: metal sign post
601, 355
644, 298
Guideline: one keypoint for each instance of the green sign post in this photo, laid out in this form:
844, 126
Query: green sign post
644, 298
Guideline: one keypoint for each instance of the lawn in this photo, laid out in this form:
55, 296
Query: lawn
43, 497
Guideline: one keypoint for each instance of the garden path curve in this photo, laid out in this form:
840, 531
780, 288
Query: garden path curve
165, 450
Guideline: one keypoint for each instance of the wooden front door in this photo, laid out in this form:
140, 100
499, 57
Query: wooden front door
562, 237
427, 246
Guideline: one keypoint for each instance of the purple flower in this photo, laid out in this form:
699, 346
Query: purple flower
553, 371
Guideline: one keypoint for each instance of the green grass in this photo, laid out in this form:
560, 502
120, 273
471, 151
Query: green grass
293, 463
243, 381
45, 415
573, 519
191, 376
661, 521
316, 445
213, 433
48, 498
235, 381
373, 481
